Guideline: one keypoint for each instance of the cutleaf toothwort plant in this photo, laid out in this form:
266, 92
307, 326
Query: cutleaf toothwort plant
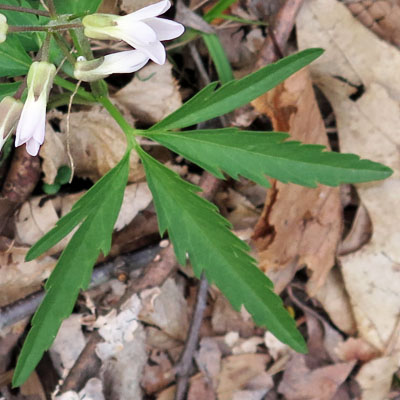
198, 232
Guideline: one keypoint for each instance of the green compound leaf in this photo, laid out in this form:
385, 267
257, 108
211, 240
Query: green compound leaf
210, 103
97, 212
197, 229
257, 154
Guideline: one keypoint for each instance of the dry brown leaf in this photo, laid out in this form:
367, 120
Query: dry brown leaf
299, 225
356, 349
97, 144
375, 377
208, 359
238, 371
166, 308
153, 96
40, 214
20, 278
381, 16
367, 126
336, 303
299, 382
68, 344
225, 319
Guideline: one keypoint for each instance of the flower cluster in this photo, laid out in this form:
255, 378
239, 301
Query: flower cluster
141, 29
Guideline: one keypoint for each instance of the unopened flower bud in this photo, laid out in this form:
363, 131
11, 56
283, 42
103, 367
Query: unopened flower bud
117, 63
32, 124
10, 111
3, 28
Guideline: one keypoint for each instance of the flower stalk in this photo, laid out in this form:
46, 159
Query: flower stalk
24, 10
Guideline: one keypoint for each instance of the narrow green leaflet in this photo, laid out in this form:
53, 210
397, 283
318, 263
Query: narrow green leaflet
257, 154
219, 57
8, 89
14, 60
210, 103
97, 212
219, 7
197, 229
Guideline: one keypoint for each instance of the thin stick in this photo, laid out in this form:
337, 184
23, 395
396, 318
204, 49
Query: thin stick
52, 8
24, 10
185, 363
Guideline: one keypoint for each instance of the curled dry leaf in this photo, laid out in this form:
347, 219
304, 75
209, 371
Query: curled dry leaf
355, 58
138, 96
97, 144
299, 225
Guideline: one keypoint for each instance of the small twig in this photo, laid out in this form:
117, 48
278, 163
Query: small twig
185, 364
199, 64
86, 366
281, 29
24, 10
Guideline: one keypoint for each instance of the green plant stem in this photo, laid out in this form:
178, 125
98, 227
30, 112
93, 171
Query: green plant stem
24, 10
60, 42
47, 28
72, 86
44, 51
121, 121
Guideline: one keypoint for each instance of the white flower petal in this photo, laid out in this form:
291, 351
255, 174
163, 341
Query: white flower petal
40, 129
156, 52
28, 121
137, 33
123, 62
32, 147
150, 11
165, 29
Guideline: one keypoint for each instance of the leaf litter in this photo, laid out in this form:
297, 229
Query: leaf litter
348, 311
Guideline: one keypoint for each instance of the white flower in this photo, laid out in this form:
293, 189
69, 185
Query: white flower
32, 124
140, 29
10, 110
3, 28
117, 63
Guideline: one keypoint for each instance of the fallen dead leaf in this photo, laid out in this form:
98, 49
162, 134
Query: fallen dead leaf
138, 96
336, 303
381, 16
299, 382
371, 274
166, 308
375, 377
356, 349
68, 344
20, 278
40, 214
97, 144
299, 226
238, 371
